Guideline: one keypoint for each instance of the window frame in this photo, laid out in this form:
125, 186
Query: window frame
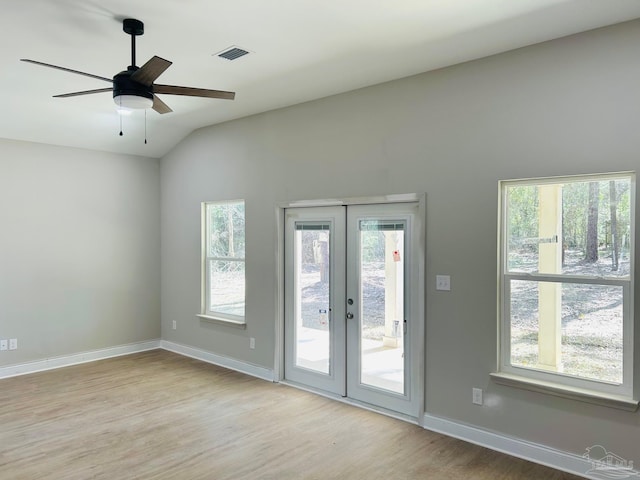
562, 384
205, 312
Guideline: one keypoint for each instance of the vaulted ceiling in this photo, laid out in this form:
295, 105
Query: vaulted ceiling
300, 50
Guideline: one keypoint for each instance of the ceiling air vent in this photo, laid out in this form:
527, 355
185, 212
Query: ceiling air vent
232, 53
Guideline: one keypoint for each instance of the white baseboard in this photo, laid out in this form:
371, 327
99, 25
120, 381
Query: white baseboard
93, 355
566, 462
76, 358
222, 361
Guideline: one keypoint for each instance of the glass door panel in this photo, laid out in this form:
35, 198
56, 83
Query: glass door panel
382, 305
312, 267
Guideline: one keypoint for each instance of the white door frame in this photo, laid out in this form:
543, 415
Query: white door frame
419, 261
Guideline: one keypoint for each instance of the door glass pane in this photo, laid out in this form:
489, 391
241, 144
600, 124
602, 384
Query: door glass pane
382, 305
311, 290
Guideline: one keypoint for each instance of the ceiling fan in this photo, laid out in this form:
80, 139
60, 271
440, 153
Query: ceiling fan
133, 88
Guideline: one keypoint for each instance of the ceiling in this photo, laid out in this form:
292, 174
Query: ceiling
301, 50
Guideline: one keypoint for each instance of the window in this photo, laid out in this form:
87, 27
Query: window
223, 277
566, 283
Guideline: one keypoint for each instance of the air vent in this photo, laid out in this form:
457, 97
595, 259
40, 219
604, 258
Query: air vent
232, 53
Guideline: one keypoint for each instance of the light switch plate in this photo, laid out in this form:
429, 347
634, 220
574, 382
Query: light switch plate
4, 345
443, 282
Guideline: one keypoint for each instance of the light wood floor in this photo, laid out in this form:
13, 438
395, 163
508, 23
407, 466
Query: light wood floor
157, 415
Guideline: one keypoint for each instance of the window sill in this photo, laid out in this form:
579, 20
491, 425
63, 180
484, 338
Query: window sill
580, 394
222, 321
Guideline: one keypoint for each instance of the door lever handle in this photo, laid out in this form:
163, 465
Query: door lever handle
349, 315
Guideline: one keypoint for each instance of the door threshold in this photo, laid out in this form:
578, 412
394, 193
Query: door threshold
352, 402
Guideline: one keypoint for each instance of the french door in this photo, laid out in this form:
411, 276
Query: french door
352, 302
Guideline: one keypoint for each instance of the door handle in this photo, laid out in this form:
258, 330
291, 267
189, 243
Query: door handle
349, 315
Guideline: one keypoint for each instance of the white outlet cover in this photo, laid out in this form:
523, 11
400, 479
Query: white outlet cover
477, 396
13, 344
443, 282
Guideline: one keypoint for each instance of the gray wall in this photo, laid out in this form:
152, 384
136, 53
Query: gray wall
79, 250
565, 107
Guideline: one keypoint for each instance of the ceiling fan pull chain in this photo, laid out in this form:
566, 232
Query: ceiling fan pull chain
120, 117
145, 126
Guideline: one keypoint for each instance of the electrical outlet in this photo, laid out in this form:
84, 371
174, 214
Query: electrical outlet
4, 344
252, 343
477, 396
175, 324
443, 282
13, 344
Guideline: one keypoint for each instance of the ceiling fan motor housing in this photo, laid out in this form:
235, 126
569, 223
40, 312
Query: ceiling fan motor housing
124, 85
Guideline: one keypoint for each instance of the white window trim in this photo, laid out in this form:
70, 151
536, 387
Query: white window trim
206, 314
558, 384
222, 321
559, 390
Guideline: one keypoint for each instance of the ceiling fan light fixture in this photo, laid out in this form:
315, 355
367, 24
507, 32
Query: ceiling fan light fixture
125, 112
132, 102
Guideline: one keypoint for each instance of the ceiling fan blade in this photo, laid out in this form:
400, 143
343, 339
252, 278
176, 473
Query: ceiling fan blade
150, 70
85, 92
67, 69
159, 106
193, 92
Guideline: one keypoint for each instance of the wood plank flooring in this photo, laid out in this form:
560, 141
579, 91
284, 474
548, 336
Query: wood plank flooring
157, 415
